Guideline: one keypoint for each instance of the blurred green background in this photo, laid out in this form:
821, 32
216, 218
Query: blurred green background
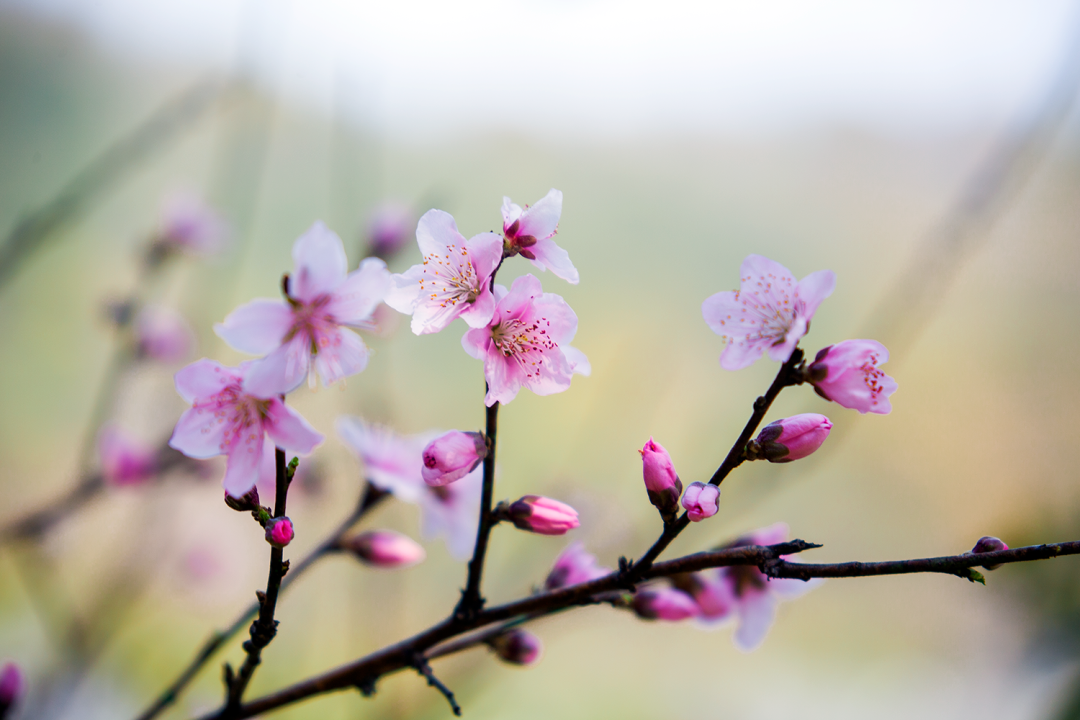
981, 441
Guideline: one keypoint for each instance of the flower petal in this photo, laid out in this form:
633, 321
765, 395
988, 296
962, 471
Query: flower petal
343, 354
814, 288
756, 616
355, 300
478, 314
204, 378
242, 466
510, 211
579, 364
404, 290
320, 262
199, 434
256, 328
435, 231
549, 255
280, 372
289, 430
541, 220
485, 251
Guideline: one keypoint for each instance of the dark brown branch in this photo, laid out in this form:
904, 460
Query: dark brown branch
786, 377
471, 599
422, 667
370, 498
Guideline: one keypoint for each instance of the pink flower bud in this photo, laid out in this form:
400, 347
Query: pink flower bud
12, 685
847, 373
279, 531
664, 603
543, 515
517, 647
384, 549
189, 224
790, 439
572, 567
244, 503
701, 501
661, 480
452, 456
164, 335
124, 460
391, 226
989, 544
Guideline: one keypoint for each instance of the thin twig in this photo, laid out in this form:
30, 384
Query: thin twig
424, 669
471, 599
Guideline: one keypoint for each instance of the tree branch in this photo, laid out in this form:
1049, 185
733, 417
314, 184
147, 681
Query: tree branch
471, 599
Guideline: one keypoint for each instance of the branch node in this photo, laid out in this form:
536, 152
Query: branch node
366, 686
421, 664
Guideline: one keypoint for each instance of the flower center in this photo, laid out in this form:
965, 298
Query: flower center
313, 322
525, 343
450, 278
872, 377
241, 414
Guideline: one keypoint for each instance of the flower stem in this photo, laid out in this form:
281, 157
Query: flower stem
471, 599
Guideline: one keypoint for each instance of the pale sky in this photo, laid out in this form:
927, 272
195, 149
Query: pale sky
596, 68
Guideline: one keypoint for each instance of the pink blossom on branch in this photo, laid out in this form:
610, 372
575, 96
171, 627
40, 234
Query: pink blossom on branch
452, 456
661, 481
574, 566
452, 281
542, 515
310, 332
986, 544
190, 225
790, 439
279, 531
701, 500
847, 373
529, 233
384, 549
660, 602
162, 334
527, 343
226, 418
770, 312
125, 460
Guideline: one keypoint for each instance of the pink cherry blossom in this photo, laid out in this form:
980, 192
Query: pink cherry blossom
701, 501
189, 224
124, 459
847, 373
529, 233
660, 602
452, 281
574, 566
769, 312
517, 647
226, 418
543, 515
394, 463
308, 333
452, 456
384, 549
790, 439
162, 334
527, 343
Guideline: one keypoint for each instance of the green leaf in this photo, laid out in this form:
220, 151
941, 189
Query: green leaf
974, 576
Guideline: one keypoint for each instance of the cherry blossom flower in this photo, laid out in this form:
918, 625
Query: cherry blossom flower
395, 463
124, 459
226, 418
162, 334
384, 549
190, 225
529, 233
769, 312
745, 594
517, 647
847, 373
308, 333
452, 281
790, 439
574, 565
527, 343
452, 456
660, 602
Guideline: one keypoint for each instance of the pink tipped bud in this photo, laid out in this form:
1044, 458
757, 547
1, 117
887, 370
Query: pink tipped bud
664, 603
385, 549
164, 335
279, 531
543, 515
701, 501
125, 460
847, 374
989, 544
452, 456
572, 567
12, 685
790, 439
661, 480
245, 503
517, 647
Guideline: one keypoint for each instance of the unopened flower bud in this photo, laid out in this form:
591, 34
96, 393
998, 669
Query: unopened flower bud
663, 603
989, 544
661, 480
384, 549
279, 531
542, 515
847, 374
517, 647
452, 456
701, 501
391, 226
790, 439
164, 335
573, 566
245, 503
12, 685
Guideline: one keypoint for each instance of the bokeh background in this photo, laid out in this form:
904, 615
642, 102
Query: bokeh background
927, 153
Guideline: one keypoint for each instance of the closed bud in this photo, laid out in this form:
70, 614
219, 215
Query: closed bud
384, 549
664, 603
12, 685
279, 531
452, 456
701, 501
989, 544
661, 480
245, 503
790, 439
517, 647
542, 515
390, 228
574, 565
